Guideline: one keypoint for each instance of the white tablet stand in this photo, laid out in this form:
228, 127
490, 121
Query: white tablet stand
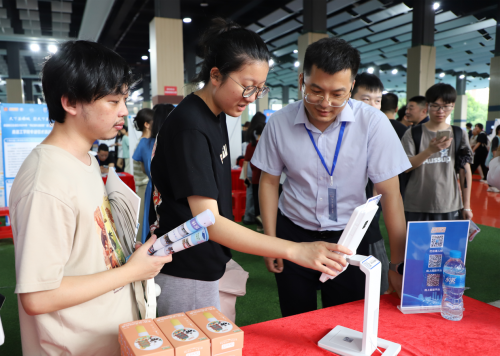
348, 342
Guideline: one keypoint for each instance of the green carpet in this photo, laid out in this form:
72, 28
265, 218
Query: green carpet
261, 301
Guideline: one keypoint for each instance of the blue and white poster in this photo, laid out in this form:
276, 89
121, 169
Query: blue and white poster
24, 126
428, 246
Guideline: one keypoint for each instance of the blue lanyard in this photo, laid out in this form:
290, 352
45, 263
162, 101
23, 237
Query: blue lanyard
337, 150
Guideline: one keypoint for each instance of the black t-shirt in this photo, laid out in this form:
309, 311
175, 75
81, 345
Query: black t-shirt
483, 140
106, 162
191, 157
399, 128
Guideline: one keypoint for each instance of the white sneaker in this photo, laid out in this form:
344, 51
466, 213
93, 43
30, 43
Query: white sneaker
483, 181
493, 189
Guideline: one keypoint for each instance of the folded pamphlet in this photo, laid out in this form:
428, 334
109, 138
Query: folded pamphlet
199, 223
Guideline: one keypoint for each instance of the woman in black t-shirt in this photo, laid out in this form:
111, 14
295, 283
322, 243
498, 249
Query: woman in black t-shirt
191, 172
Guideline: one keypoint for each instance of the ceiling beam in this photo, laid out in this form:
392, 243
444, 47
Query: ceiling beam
117, 22
94, 17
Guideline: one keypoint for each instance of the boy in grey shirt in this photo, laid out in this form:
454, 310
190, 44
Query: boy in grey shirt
432, 192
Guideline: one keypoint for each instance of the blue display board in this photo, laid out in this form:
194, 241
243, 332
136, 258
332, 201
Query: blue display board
24, 126
428, 246
268, 114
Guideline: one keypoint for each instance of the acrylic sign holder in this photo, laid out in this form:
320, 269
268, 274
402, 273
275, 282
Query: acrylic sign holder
348, 342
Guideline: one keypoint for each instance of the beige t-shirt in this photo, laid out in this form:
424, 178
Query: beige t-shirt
433, 187
62, 226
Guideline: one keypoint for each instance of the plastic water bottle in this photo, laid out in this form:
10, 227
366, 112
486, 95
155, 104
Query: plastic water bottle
452, 305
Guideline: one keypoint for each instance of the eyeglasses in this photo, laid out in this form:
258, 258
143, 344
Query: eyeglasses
251, 90
335, 102
435, 107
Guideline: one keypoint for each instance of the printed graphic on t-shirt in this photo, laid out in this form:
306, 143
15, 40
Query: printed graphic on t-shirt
224, 153
444, 158
157, 202
154, 149
105, 227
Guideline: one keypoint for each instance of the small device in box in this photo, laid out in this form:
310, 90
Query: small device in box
225, 335
143, 337
184, 335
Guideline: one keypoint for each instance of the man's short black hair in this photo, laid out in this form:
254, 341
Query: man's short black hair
401, 113
468, 125
83, 71
480, 126
368, 81
331, 55
103, 147
389, 102
419, 99
441, 91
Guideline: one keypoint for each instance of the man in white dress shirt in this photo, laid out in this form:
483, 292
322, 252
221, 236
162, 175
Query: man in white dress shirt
302, 140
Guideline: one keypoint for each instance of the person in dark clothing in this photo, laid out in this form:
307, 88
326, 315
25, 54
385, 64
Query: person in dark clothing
480, 151
253, 180
104, 158
191, 173
469, 129
402, 118
416, 110
390, 108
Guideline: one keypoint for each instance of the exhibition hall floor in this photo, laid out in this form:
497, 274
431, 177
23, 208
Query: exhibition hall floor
485, 205
261, 301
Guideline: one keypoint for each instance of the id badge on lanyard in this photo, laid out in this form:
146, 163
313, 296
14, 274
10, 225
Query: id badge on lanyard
332, 188
332, 203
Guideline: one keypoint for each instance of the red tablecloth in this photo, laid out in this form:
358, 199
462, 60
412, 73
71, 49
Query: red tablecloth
478, 333
127, 178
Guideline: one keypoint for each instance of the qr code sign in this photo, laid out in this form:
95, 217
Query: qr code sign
433, 280
437, 241
435, 261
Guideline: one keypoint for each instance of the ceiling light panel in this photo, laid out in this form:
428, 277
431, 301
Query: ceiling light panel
390, 12
62, 6
278, 31
465, 29
338, 19
285, 50
31, 25
254, 27
27, 4
274, 17
350, 27
29, 15
393, 22
295, 6
59, 26
61, 17
358, 43
336, 5
368, 7
286, 40
391, 33
356, 35
444, 17
370, 54
462, 21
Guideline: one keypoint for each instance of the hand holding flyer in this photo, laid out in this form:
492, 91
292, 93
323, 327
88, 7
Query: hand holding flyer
189, 241
199, 222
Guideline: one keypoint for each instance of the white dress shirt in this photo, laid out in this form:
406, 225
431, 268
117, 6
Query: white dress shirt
370, 149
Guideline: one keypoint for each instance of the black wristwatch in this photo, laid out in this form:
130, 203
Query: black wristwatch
397, 267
